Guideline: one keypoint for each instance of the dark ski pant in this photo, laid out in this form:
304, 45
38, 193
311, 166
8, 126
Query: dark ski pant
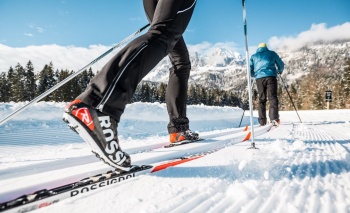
113, 87
267, 88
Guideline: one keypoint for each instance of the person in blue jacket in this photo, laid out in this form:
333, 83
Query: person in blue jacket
264, 67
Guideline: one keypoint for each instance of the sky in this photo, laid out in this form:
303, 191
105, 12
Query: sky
41, 25
299, 167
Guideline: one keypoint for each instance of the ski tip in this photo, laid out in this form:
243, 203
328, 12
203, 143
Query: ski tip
247, 137
246, 128
174, 163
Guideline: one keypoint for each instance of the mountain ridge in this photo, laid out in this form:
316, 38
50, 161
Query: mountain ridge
224, 69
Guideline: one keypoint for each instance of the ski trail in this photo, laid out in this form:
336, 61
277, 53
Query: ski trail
304, 181
298, 168
73, 173
316, 160
306, 170
54, 161
194, 197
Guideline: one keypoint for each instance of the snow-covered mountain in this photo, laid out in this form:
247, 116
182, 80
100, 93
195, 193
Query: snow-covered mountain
219, 69
225, 69
328, 57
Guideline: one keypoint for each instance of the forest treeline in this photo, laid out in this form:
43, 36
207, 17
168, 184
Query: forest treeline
308, 92
22, 84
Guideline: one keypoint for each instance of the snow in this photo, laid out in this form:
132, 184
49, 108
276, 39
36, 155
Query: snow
299, 167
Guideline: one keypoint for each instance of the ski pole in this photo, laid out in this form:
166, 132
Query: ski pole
289, 96
242, 116
58, 85
248, 74
244, 110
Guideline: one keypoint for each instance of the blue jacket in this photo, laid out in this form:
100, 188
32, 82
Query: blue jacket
265, 63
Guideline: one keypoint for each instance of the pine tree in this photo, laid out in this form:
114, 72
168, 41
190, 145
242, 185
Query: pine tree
4, 88
65, 92
346, 83
210, 98
162, 92
17, 86
234, 100
191, 95
29, 82
46, 80
223, 99
145, 92
73, 87
10, 80
84, 79
203, 96
216, 94
338, 97
317, 102
297, 98
152, 95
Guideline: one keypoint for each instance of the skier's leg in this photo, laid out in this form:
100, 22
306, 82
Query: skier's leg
262, 100
96, 112
112, 88
176, 93
273, 99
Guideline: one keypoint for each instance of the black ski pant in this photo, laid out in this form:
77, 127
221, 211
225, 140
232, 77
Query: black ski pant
113, 87
267, 88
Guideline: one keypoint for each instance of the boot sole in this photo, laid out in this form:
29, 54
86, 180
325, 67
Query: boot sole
83, 133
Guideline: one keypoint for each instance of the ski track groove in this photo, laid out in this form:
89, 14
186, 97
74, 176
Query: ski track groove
316, 168
208, 203
193, 197
191, 201
327, 157
252, 205
228, 203
314, 202
224, 199
340, 199
323, 161
272, 198
221, 205
211, 203
281, 202
238, 206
